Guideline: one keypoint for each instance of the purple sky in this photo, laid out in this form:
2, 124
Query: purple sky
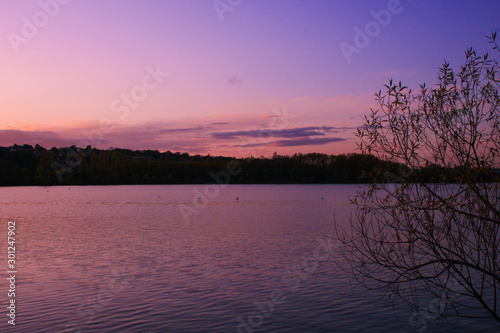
208, 77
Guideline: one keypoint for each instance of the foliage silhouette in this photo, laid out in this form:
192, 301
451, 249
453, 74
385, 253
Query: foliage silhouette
420, 239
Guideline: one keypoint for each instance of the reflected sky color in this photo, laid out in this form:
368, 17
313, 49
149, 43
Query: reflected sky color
228, 80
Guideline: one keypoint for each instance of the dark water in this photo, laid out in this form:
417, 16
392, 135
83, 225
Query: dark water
125, 259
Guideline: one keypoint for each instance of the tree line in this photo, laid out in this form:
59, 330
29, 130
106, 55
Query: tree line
27, 165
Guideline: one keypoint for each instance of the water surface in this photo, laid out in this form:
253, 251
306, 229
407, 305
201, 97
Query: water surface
124, 259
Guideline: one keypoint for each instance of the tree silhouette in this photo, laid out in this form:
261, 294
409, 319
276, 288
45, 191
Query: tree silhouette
414, 240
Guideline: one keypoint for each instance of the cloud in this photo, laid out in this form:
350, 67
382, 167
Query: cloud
304, 142
281, 133
189, 129
292, 137
234, 80
200, 137
294, 142
46, 139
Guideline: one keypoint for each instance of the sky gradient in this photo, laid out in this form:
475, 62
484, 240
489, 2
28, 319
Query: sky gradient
251, 78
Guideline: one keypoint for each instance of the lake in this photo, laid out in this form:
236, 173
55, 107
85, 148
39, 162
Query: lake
190, 258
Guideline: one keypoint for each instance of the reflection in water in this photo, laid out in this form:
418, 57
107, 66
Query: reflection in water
121, 259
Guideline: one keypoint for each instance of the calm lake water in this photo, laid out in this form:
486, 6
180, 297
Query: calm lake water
125, 259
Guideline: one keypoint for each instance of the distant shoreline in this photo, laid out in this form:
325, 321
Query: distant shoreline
72, 166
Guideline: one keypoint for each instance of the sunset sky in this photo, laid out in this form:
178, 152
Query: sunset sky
228, 77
